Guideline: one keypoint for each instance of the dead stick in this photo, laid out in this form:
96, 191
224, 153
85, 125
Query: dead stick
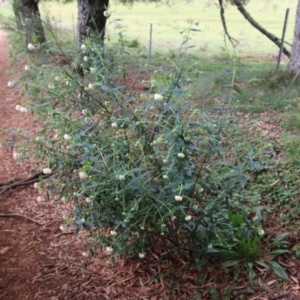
97, 292
21, 216
30, 180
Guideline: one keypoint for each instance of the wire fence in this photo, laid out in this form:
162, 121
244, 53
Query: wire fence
164, 35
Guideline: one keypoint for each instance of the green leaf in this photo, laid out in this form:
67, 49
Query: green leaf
279, 271
279, 251
279, 239
229, 263
263, 264
251, 274
238, 90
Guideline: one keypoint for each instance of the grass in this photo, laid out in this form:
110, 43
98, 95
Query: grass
169, 20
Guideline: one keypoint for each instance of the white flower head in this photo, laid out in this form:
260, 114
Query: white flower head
209, 246
109, 249
63, 199
50, 86
90, 86
16, 156
165, 161
18, 107
62, 228
40, 199
188, 218
85, 254
47, 171
158, 97
10, 84
27, 68
67, 82
30, 47
83, 47
121, 177
23, 109
142, 255
57, 78
83, 175
93, 70
180, 155
261, 232
178, 198
67, 137
165, 176
114, 124
85, 58
36, 185
88, 200
113, 233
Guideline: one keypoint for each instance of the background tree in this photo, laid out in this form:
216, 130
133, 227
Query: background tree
91, 19
28, 18
294, 64
240, 6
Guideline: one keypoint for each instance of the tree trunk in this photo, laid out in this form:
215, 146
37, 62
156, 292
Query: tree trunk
29, 13
17, 11
91, 20
294, 64
269, 35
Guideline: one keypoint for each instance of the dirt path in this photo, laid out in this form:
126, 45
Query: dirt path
41, 261
35, 262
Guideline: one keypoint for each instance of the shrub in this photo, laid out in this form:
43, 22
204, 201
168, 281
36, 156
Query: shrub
151, 171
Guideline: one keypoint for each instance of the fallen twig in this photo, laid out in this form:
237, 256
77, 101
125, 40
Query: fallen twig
21, 216
94, 291
13, 184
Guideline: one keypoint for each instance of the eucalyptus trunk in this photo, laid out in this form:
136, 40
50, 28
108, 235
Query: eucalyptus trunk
28, 18
294, 64
91, 20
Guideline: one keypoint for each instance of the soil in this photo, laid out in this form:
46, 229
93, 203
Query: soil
37, 259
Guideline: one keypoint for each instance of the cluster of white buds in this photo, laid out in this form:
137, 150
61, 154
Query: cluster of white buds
21, 109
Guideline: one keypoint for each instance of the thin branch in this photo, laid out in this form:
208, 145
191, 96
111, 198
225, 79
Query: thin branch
21, 216
226, 33
269, 35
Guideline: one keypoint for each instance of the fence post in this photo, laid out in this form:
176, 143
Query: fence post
74, 34
150, 45
282, 38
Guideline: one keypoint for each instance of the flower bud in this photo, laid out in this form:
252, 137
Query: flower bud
47, 171
83, 175
30, 47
